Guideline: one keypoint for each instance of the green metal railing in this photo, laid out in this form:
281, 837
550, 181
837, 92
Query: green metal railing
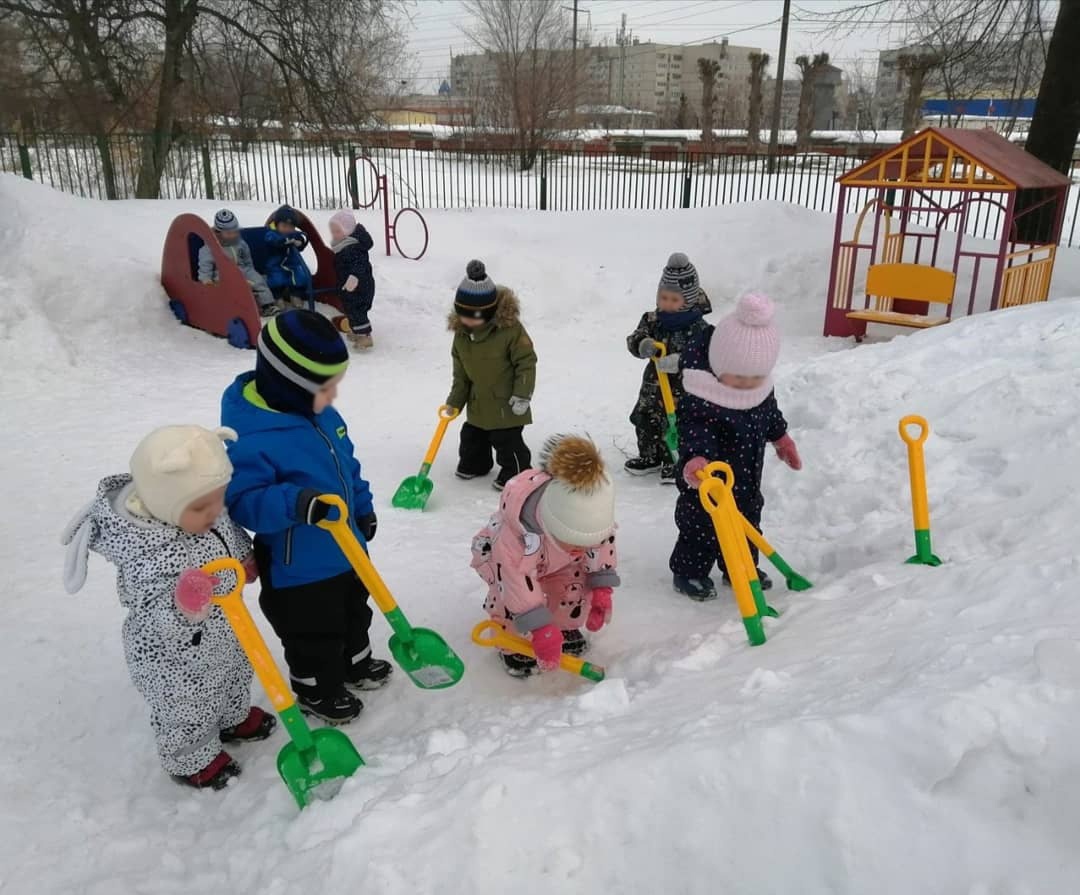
314, 173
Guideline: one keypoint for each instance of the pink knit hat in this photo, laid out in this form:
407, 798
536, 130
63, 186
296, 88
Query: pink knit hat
745, 343
346, 220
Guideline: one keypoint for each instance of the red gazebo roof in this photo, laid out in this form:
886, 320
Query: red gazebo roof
956, 159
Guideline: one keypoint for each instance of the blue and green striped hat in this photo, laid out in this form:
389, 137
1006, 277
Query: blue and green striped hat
298, 353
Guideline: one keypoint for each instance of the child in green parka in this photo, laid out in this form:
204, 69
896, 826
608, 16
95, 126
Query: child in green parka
494, 377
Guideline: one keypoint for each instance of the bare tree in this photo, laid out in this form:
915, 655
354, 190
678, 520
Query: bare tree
863, 112
804, 124
709, 73
331, 56
758, 63
682, 116
915, 66
530, 46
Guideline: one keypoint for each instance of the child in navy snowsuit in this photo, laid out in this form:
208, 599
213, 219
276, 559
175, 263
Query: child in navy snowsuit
287, 274
355, 280
728, 413
678, 319
293, 448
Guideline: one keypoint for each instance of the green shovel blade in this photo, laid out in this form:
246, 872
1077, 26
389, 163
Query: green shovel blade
671, 438
413, 493
318, 773
427, 659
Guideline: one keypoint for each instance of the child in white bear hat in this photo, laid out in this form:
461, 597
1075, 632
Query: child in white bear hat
159, 526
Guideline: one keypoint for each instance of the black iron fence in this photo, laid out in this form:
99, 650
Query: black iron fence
315, 173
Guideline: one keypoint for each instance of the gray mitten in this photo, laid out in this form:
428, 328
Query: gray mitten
519, 406
669, 364
646, 348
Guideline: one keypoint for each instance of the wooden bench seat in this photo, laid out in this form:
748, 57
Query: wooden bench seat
894, 318
886, 283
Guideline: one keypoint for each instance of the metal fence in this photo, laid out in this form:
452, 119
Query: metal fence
315, 173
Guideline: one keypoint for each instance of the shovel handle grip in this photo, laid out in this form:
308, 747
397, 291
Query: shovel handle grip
446, 415
232, 604
349, 545
492, 634
923, 426
666, 394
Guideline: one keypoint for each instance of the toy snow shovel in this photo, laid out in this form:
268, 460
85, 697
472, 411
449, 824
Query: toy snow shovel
413, 493
671, 434
491, 633
316, 762
422, 654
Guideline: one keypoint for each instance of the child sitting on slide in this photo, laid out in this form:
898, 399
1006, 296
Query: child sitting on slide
286, 273
227, 231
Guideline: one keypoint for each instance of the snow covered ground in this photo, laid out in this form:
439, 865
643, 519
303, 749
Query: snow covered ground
905, 730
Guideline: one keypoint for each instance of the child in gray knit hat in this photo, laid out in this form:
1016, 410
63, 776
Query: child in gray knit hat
681, 305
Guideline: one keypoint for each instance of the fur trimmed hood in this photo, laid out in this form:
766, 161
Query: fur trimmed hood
507, 312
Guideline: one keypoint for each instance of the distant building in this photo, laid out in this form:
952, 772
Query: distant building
974, 81
421, 110
829, 100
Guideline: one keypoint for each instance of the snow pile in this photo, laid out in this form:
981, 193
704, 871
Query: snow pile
904, 730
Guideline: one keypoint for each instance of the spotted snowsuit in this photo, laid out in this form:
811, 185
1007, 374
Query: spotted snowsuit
194, 676
738, 437
648, 416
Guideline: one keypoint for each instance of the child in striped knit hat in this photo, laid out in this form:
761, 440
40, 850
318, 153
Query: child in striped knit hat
296, 448
681, 304
728, 413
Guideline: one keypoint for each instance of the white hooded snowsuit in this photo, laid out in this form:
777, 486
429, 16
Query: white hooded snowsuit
194, 676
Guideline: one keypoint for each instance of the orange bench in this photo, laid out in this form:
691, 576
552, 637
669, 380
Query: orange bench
910, 282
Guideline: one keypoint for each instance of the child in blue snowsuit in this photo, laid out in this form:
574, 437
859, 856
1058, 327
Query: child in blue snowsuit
728, 413
355, 281
294, 447
287, 274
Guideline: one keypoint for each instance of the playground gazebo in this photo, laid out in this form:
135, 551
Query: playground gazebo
975, 186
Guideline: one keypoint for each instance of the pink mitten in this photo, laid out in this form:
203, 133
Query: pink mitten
691, 470
547, 644
786, 451
600, 613
193, 593
251, 570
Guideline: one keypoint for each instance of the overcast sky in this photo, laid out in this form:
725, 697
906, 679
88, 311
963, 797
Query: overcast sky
437, 29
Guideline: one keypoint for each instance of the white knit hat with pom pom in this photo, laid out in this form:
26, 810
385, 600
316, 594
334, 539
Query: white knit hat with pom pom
176, 465
746, 343
577, 506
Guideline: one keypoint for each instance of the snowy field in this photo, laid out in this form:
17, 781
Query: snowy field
905, 730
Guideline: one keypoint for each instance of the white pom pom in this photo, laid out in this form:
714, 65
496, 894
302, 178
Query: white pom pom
226, 434
754, 309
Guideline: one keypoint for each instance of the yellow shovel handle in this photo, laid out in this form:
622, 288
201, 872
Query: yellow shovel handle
446, 414
720, 505
662, 377
920, 504
232, 604
354, 553
498, 636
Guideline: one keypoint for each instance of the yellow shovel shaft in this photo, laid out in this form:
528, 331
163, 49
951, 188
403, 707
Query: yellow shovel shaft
755, 537
920, 505
665, 384
715, 498
354, 553
446, 414
492, 634
243, 625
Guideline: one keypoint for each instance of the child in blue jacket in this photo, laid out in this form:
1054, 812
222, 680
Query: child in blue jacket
355, 280
294, 447
286, 273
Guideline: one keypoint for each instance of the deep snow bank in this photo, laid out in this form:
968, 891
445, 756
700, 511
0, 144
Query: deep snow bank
904, 730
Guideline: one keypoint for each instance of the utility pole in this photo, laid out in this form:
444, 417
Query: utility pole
778, 93
573, 71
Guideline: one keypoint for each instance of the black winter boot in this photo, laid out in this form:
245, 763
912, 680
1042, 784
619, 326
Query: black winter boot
338, 709
766, 581
698, 589
517, 665
368, 674
574, 643
641, 466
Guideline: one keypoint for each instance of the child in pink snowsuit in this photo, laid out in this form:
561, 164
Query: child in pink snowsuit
548, 553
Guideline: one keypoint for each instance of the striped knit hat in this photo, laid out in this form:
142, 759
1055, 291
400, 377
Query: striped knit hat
476, 295
681, 276
298, 353
225, 220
